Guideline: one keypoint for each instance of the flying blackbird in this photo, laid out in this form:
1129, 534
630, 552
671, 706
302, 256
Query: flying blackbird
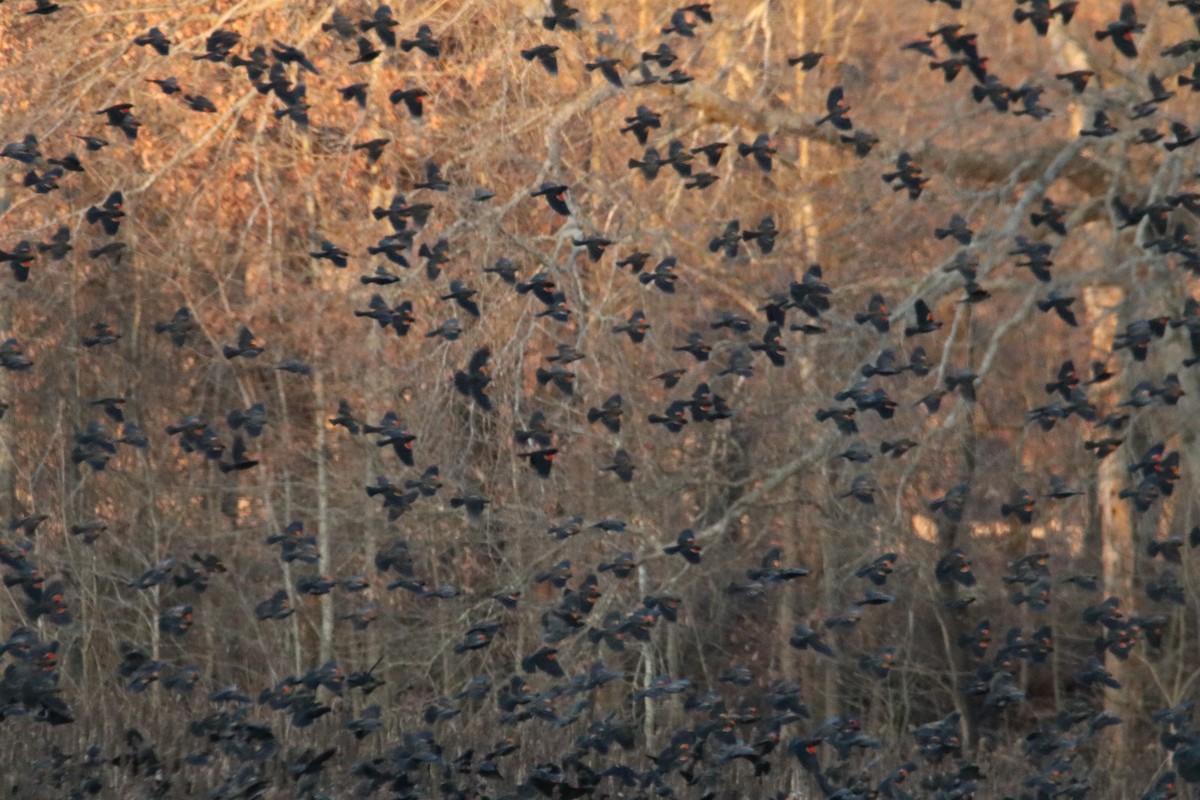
120, 116
413, 99
641, 122
635, 261
424, 41
835, 105
20, 259
608, 414
200, 103
248, 345
670, 378
843, 418
556, 197
539, 431
474, 504
373, 148
1101, 127
806, 61
1061, 304
663, 276
595, 245
450, 330
26, 151
728, 241
356, 92
862, 489
1021, 506
764, 234
877, 314
771, 345
1121, 32
544, 53
218, 45
925, 322
473, 382
367, 52
70, 162
761, 150
622, 465
541, 460
1051, 216
331, 251
951, 504
103, 333
663, 55
503, 269
907, 175
435, 257
46, 182
428, 483
562, 378
561, 16
685, 546
608, 68
109, 215
461, 294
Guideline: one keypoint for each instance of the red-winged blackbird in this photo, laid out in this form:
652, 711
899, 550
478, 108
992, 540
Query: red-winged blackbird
541, 460
424, 41
1021, 506
1121, 32
562, 378
248, 345
836, 108
663, 276
103, 333
556, 197
109, 215
695, 345
761, 149
636, 327
435, 257
367, 52
877, 314
413, 99
925, 322
685, 546
539, 431
119, 116
771, 345
20, 260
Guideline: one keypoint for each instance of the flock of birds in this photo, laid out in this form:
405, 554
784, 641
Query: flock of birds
750, 717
